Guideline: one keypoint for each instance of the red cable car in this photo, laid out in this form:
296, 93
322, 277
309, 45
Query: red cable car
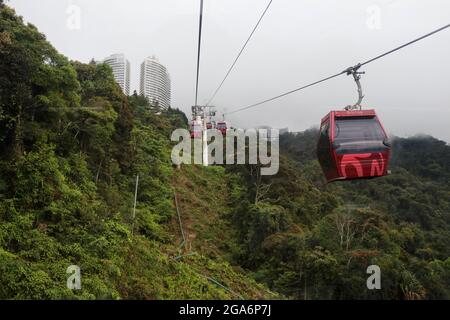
353, 143
196, 129
222, 126
196, 132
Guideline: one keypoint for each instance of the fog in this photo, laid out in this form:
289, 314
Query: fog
297, 42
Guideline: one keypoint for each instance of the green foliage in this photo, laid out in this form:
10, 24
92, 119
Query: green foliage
72, 145
38, 86
310, 240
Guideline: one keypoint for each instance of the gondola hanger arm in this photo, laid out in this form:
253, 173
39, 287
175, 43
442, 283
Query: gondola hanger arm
354, 71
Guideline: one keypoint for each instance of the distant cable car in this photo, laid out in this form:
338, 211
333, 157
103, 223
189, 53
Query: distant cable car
196, 128
196, 131
353, 143
222, 126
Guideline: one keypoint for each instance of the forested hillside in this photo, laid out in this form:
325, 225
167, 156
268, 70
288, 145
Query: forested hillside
312, 240
72, 146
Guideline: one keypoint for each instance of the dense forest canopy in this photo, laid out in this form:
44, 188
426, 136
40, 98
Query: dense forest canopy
72, 145
400, 222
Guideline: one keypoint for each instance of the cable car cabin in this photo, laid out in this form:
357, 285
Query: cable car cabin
196, 130
353, 145
222, 127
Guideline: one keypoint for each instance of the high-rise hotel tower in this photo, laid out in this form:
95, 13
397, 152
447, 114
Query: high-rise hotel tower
121, 70
155, 82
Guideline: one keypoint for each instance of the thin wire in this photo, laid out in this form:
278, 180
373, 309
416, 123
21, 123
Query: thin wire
198, 50
286, 93
179, 220
239, 54
405, 45
343, 72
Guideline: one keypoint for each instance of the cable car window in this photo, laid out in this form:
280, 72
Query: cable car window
359, 135
325, 131
323, 150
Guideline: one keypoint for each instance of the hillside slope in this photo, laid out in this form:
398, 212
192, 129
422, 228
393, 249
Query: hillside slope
71, 147
309, 240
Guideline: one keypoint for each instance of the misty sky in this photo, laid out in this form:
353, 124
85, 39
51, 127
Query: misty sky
299, 41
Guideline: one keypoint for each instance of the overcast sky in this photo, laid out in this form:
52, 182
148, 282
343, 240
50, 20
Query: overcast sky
299, 41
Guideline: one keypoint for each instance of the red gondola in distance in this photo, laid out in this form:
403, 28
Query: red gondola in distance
353, 145
196, 129
222, 126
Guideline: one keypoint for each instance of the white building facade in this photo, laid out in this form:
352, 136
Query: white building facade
155, 83
121, 70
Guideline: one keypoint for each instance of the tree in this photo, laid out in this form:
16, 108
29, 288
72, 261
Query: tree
37, 86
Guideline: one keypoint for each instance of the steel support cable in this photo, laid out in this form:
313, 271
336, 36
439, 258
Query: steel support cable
406, 44
183, 243
348, 71
286, 93
198, 50
239, 54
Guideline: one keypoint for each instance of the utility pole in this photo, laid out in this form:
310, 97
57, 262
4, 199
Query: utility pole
205, 113
205, 139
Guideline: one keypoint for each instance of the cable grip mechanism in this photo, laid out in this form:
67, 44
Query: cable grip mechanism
357, 77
